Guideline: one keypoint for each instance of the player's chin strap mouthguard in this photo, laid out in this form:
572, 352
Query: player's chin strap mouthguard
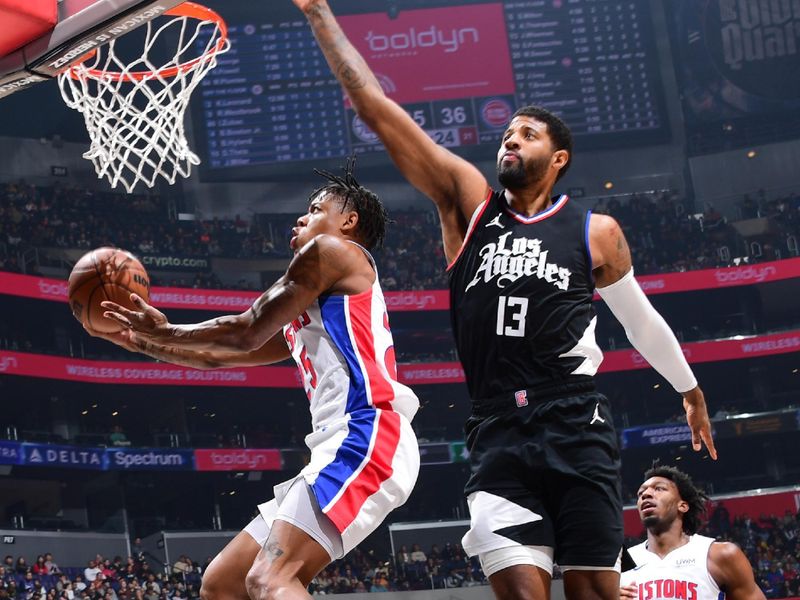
648, 332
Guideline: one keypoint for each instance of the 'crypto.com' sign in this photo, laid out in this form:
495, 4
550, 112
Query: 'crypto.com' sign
436, 53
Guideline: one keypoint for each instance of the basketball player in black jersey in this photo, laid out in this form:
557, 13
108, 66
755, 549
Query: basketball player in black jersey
523, 269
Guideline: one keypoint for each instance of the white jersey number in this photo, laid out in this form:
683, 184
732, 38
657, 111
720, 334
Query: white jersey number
514, 311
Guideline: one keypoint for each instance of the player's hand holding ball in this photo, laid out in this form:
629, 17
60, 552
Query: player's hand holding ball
145, 320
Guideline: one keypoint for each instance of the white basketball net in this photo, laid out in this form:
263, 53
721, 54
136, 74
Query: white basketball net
134, 111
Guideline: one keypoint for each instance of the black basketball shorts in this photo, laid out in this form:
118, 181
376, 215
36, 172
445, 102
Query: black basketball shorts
547, 474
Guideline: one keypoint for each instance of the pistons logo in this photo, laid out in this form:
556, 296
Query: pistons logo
496, 113
521, 398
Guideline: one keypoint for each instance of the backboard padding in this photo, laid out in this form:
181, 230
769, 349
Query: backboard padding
24, 21
82, 26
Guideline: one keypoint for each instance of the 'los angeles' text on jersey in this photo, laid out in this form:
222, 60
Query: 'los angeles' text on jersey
521, 299
506, 260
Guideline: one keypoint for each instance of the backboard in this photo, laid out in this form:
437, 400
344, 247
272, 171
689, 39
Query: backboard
41, 38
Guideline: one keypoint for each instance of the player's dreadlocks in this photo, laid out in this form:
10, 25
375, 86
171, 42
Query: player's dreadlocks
372, 216
689, 493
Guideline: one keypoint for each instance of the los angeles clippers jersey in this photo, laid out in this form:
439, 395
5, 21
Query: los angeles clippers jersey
521, 299
364, 455
683, 573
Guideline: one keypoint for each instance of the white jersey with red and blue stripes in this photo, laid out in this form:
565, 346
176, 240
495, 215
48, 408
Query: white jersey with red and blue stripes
364, 454
683, 573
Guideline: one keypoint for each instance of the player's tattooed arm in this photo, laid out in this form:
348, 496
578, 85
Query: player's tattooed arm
275, 350
347, 64
453, 184
318, 267
611, 255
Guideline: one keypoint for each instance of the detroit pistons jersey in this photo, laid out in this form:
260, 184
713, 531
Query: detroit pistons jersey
683, 573
364, 455
521, 299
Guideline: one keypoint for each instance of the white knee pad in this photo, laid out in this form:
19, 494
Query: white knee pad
502, 558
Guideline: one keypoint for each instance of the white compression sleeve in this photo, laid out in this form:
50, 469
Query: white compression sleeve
648, 332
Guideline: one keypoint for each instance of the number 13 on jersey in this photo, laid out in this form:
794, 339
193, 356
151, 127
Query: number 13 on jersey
511, 314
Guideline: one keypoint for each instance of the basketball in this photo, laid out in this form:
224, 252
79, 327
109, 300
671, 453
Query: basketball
105, 274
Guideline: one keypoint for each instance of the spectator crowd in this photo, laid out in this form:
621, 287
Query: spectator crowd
101, 579
769, 542
664, 232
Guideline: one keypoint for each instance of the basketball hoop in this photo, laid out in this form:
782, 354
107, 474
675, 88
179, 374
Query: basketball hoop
134, 110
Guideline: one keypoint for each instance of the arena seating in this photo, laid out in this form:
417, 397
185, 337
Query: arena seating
770, 543
665, 235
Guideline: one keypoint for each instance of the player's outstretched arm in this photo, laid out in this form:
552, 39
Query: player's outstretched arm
729, 567
317, 268
644, 326
455, 186
275, 350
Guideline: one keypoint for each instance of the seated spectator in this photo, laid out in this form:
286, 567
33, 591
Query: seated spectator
181, 566
144, 570
91, 572
68, 591
435, 553
323, 582
22, 566
775, 580
150, 593
117, 437
417, 555
10, 592
151, 581
39, 590
52, 567
26, 585
129, 574
137, 549
117, 567
469, 580
107, 569
39, 567
380, 583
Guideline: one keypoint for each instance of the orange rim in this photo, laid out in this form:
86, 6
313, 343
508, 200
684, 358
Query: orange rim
187, 9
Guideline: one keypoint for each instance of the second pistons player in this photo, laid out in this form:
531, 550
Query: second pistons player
328, 312
675, 561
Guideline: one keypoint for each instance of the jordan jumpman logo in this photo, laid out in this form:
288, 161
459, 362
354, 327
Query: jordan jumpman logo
496, 222
596, 418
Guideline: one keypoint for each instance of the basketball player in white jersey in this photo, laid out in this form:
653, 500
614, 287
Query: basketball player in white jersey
329, 314
676, 562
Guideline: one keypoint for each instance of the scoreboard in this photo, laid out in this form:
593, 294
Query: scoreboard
459, 69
